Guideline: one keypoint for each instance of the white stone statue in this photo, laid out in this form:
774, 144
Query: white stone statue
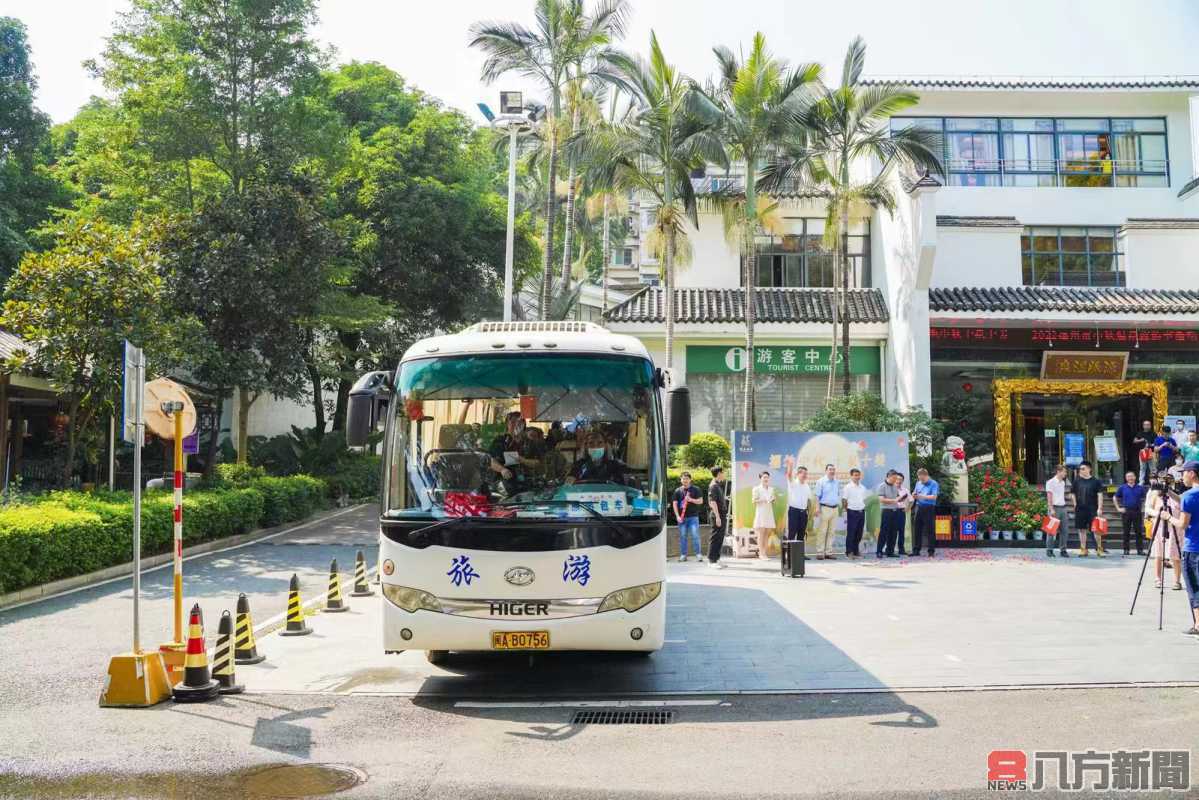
954, 463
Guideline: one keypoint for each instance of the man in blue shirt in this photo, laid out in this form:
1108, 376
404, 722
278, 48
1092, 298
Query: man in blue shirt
925, 491
1188, 522
1165, 447
828, 494
1130, 502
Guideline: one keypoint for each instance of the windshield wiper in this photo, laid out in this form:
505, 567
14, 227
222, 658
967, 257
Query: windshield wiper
421, 534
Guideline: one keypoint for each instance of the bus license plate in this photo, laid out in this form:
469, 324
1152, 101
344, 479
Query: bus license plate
520, 640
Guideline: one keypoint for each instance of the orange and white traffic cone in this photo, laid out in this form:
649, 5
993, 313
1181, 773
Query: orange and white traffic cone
295, 611
361, 587
333, 601
222, 658
197, 685
245, 648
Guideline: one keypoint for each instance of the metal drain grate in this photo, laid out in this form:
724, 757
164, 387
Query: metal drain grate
638, 717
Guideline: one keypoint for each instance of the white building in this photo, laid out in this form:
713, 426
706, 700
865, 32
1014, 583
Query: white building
1067, 220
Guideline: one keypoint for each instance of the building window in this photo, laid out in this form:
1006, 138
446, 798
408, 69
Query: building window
801, 259
1071, 257
622, 257
1050, 151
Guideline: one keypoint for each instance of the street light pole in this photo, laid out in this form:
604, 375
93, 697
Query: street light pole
509, 242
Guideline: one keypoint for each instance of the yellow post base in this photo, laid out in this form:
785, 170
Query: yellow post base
135, 680
173, 656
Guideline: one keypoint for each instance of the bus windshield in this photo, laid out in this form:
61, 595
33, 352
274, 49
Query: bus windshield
525, 436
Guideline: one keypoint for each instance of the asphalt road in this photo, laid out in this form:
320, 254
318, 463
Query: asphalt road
55, 742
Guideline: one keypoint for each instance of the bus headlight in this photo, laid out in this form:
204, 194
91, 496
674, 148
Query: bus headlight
411, 599
632, 598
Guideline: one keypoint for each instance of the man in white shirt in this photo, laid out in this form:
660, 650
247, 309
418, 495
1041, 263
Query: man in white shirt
799, 495
828, 495
1055, 494
855, 513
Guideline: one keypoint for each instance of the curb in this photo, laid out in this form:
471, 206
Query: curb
46, 591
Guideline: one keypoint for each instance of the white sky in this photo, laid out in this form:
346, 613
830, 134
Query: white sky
426, 41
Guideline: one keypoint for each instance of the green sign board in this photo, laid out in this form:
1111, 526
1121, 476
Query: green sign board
799, 359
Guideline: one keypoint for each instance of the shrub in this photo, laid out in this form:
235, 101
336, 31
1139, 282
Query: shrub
290, 498
1005, 500
357, 478
706, 450
237, 474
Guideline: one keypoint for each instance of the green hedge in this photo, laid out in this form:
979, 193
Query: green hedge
68, 533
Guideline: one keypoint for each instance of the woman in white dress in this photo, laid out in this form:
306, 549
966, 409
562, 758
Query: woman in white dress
764, 524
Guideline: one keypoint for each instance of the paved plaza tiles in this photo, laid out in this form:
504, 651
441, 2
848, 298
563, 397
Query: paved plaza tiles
978, 618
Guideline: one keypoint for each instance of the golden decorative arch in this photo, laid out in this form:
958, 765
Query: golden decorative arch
1005, 388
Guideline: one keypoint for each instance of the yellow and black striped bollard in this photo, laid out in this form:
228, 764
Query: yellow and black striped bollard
361, 587
222, 658
245, 649
295, 612
334, 604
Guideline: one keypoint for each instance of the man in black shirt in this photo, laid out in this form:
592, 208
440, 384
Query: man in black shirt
1088, 504
718, 509
687, 501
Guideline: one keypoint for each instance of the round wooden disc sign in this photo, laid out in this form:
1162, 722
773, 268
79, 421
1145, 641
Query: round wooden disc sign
160, 423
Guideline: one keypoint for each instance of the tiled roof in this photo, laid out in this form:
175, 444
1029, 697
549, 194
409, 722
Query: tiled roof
1084, 300
977, 222
10, 344
1162, 224
728, 305
1180, 82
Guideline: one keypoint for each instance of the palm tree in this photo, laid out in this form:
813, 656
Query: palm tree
564, 36
760, 100
603, 201
847, 127
671, 131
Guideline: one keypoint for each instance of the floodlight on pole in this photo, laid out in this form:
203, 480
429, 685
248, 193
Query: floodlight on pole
511, 117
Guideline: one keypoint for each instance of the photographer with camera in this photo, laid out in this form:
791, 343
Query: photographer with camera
1187, 521
1165, 536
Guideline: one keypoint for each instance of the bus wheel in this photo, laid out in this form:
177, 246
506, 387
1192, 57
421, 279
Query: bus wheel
437, 657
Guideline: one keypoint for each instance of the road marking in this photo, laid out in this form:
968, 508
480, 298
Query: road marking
952, 657
674, 641
589, 703
170, 564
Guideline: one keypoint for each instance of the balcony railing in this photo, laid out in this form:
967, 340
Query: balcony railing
1059, 172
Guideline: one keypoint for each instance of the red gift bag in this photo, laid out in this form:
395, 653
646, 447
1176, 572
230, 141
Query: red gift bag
466, 504
1051, 525
1099, 525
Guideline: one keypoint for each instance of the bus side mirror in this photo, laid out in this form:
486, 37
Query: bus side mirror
680, 416
367, 398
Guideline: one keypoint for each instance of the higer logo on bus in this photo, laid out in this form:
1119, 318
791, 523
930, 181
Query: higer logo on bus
509, 609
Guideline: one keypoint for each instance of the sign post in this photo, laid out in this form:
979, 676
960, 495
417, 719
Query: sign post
135, 679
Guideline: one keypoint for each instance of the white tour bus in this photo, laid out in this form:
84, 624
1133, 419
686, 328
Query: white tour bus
522, 502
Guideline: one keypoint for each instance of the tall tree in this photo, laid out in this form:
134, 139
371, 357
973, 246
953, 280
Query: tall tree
760, 98
250, 267
419, 190
845, 128
565, 36
671, 131
76, 303
27, 195
219, 82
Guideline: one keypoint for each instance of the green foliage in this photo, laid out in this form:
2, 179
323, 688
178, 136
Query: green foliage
70, 533
76, 303
970, 416
706, 450
865, 411
1006, 501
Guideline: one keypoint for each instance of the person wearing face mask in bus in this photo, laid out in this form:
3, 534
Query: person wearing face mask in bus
598, 465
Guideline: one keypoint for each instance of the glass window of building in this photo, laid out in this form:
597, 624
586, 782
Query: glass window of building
1048, 151
1058, 256
622, 256
800, 259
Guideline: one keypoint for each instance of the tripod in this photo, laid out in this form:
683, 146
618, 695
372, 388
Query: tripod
1166, 543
